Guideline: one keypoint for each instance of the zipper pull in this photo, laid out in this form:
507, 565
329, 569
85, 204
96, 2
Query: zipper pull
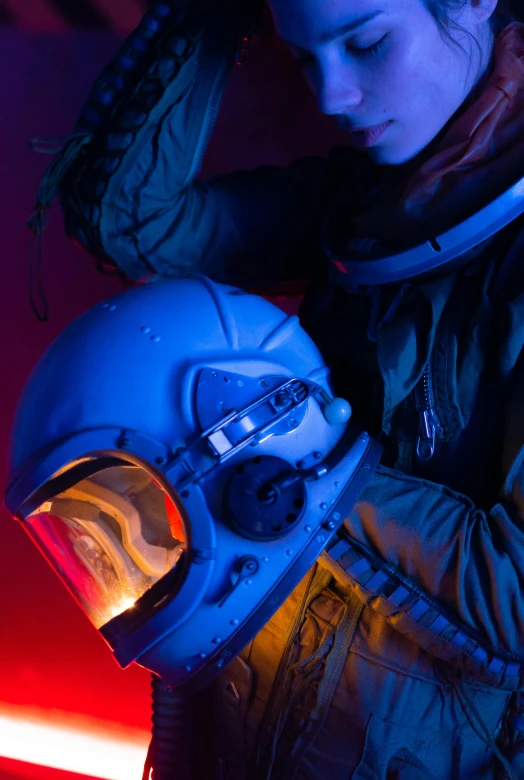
429, 426
426, 440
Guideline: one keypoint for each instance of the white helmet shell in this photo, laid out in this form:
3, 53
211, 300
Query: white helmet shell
224, 403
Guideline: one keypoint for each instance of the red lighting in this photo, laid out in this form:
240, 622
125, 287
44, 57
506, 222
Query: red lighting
70, 743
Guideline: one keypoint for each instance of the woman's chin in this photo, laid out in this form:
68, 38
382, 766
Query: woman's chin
395, 153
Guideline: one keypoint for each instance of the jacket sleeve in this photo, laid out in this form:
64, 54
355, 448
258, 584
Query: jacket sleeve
132, 199
442, 571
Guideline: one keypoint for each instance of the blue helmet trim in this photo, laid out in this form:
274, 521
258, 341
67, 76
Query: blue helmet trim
436, 253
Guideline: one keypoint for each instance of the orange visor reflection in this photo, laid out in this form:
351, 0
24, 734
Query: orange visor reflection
110, 538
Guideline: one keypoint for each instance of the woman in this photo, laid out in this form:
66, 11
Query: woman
346, 680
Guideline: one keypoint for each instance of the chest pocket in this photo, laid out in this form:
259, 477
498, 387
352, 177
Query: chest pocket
399, 752
393, 752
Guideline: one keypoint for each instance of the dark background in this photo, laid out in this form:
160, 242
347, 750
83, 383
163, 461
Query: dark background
50, 52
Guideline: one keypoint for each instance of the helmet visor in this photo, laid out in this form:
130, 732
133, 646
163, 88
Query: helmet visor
110, 537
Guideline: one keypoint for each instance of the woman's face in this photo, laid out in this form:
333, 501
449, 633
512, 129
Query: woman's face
372, 62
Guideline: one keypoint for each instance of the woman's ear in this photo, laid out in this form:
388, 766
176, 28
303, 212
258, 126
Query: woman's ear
482, 10
473, 12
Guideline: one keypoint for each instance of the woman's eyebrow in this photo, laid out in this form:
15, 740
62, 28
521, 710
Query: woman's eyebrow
331, 35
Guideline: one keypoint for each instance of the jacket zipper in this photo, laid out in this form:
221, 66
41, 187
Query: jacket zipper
430, 427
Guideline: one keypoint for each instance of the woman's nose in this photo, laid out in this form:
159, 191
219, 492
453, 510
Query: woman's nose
337, 91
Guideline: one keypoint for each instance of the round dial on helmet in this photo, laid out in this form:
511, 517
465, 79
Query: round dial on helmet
265, 498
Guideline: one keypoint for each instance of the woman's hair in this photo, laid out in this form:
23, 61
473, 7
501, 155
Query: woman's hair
441, 11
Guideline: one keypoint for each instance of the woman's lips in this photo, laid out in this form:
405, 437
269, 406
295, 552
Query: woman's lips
369, 136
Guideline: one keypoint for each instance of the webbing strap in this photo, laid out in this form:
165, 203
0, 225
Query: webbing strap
412, 611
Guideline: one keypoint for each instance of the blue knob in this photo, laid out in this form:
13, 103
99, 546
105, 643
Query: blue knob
337, 412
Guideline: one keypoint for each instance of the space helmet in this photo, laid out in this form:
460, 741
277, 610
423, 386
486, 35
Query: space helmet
180, 459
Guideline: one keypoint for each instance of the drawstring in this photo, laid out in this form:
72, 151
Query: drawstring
334, 664
329, 658
295, 685
47, 145
66, 152
266, 742
479, 727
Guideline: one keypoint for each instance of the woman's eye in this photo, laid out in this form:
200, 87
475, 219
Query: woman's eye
306, 59
366, 50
